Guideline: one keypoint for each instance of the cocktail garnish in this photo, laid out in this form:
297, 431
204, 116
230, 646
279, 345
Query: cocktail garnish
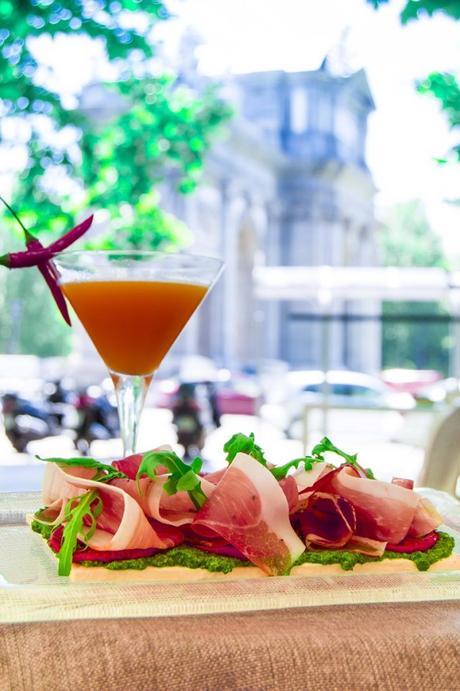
183, 477
88, 506
41, 257
107, 473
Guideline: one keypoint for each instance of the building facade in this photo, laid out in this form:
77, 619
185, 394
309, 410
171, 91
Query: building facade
289, 186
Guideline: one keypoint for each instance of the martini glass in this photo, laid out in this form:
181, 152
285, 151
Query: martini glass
133, 305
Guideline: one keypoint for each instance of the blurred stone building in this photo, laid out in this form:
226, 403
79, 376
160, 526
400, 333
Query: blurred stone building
289, 186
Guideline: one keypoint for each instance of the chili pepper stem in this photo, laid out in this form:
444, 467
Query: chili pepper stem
5, 260
27, 234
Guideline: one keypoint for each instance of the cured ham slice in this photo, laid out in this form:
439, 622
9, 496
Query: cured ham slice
122, 523
307, 478
88, 554
289, 487
327, 521
175, 510
130, 465
425, 520
60, 485
403, 482
364, 545
216, 476
249, 510
384, 511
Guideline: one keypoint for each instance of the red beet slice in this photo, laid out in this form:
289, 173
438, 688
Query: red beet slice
414, 544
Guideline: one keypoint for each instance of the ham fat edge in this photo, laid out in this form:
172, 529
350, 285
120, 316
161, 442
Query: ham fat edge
268, 522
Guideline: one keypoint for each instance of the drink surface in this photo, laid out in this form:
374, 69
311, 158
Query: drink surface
133, 324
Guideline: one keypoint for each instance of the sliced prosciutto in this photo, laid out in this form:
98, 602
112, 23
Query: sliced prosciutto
384, 511
87, 554
403, 482
426, 519
122, 523
176, 510
289, 487
307, 478
327, 521
364, 545
250, 511
130, 465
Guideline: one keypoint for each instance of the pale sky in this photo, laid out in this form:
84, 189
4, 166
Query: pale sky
406, 132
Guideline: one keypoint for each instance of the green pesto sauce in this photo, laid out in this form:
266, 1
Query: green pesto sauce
183, 555
43, 529
347, 560
193, 558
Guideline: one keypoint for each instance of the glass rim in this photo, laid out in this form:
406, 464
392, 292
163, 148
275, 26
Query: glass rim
133, 252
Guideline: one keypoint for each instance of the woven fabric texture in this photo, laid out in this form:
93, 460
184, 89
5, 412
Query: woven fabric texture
391, 646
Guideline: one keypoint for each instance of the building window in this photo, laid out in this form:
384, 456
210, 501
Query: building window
346, 128
324, 113
299, 110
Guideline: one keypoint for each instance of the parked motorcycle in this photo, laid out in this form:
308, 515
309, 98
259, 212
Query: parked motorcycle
25, 422
98, 418
187, 420
84, 417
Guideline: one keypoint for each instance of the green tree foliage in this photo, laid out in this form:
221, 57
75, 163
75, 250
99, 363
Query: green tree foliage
74, 161
30, 323
415, 9
443, 86
407, 240
446, 88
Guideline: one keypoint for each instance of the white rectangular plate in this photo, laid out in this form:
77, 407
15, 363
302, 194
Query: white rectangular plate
30, 589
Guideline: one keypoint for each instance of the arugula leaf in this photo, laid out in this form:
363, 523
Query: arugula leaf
326, 445
240, 443
88, 505
183, 477
107, 472
280, 472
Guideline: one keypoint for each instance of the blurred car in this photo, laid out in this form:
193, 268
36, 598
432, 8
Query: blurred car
443, 392
410, 380
233, 397
345, 390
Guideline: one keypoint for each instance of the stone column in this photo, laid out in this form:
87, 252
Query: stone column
272, 246
232, 208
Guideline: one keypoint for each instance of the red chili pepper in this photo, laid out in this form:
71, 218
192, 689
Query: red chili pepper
71, 236
24, 260
50, 273
41, 257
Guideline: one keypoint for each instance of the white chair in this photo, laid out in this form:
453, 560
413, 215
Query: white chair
441, 469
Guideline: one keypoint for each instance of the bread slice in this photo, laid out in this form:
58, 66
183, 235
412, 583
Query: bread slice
99, 574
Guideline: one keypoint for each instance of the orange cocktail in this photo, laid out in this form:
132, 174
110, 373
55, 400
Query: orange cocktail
134, 304
133, 323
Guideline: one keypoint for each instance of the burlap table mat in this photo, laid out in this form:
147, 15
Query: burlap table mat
394, 647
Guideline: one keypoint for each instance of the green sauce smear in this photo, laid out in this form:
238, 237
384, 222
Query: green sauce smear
193, 558
348, 560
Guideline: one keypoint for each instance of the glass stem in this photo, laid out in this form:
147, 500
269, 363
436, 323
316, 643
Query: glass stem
131, 391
